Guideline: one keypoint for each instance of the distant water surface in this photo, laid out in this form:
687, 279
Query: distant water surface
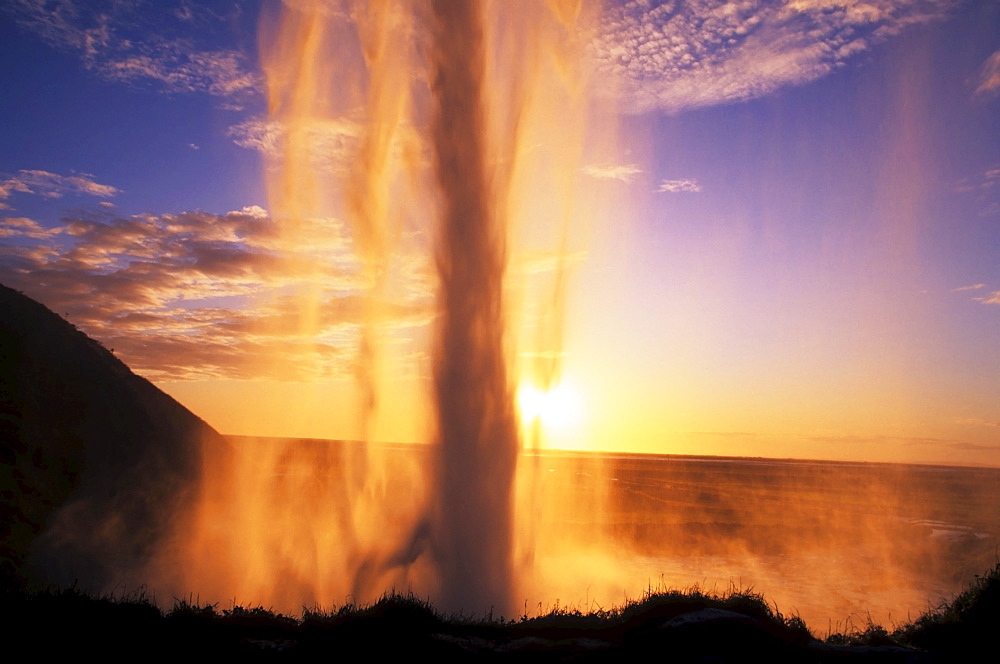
836, 543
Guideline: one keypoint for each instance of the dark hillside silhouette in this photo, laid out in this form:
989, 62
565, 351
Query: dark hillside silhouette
95, 459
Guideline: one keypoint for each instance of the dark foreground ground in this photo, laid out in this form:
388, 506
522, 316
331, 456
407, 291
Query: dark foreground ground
673, 627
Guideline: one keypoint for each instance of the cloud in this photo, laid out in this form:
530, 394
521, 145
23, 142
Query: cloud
26, 228
546, 262
983, 183
51, 185
905, 440
137, 43
981, 423
974, 447
329, 144
725, 434
964, 446
619, 172
255, 211
675, 186
679, 55
989, 75
198, 295
985, 189
992, 298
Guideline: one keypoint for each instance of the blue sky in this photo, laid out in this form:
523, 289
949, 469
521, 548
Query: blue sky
797, 252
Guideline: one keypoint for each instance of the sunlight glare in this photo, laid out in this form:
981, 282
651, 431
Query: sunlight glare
555, 408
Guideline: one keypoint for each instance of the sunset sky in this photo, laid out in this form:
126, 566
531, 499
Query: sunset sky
792, 251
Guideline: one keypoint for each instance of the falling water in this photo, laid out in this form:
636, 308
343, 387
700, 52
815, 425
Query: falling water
501, 80
461, 122
477, 450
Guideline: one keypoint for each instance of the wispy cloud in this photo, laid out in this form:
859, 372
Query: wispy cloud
198, 295
619, 172
980, 423
679, 55
943, 443
51, 185
986, 190
988, 180
676, 186
138, 43
992, 298
724, 434
989, 75
546, 262
330, 143
974, 447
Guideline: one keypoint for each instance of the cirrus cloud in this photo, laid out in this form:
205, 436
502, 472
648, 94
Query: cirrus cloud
677, 186
619, 172
989, 75
330, 143
677, 55
145, 43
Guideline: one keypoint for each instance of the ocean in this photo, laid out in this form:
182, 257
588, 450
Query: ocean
838, 544
293, 523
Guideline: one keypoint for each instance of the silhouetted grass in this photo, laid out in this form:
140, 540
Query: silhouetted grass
967, 624
686, 626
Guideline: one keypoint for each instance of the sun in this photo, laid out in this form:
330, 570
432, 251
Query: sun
555, 408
